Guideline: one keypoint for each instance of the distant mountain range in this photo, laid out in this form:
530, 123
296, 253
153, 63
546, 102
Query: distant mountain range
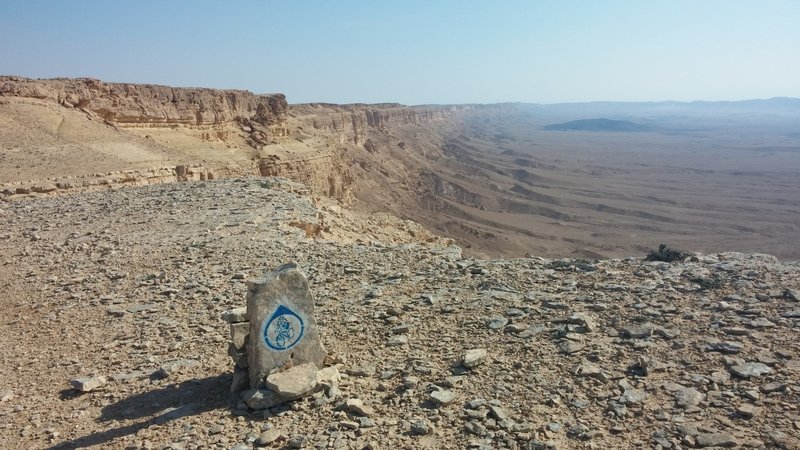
599, 125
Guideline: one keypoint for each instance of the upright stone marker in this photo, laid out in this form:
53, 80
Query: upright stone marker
283, 331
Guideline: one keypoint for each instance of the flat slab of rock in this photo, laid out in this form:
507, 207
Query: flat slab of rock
497, 323
569, 347
716, 440
498, 412
746, 411
283, 330
174, 366
532, 331
294, 382
761, 323
584, 320
268, 437
329, 376
725, 347
586, 370
636, 331
750, 369
793, 314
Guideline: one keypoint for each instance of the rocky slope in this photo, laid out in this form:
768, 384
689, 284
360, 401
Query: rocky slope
126, 288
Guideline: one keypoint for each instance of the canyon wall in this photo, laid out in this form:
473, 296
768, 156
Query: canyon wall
131, 105
336, 150
354, 123
347, 145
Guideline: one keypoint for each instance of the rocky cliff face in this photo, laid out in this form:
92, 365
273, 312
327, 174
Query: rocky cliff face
150, 105
353, 123
263, 117
326, 146
323, 173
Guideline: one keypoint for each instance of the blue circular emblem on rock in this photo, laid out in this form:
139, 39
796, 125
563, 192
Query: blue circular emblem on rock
283, 330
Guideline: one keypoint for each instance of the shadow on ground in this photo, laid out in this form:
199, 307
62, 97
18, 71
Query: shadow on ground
159, 406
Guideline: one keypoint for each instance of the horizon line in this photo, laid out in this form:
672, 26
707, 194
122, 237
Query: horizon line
506, 102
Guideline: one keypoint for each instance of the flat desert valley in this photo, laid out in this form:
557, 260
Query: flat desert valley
706, 187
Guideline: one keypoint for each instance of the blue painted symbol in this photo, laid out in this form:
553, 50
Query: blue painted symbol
283, 330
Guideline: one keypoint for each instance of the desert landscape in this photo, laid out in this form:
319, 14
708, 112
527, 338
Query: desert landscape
503, 180
478, 271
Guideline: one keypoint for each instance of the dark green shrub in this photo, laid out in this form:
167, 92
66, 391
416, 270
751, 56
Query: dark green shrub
666, 254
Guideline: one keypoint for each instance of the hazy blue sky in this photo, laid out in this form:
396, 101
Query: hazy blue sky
416, 52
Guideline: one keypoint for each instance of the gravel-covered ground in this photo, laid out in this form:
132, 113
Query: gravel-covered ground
129, 285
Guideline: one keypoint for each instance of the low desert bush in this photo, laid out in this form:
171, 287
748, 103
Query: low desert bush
666, 254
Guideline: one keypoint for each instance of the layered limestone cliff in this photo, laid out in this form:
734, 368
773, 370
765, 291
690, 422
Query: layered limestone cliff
353, 124
131, 105
327, 147
101, 181
97, 135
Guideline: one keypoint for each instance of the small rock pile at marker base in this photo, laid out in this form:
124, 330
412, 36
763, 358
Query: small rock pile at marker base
121, 292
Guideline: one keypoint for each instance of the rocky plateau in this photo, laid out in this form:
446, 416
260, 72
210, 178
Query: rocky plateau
113, 336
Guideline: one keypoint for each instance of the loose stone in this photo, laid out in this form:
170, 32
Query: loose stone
632, 397
267, 437
236, 315
716, 440
569, 347
420, 427
297, 441
442, 397
746, 411
727, 347
688, 397
473, 358
636, 331
357, 406
87, 384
